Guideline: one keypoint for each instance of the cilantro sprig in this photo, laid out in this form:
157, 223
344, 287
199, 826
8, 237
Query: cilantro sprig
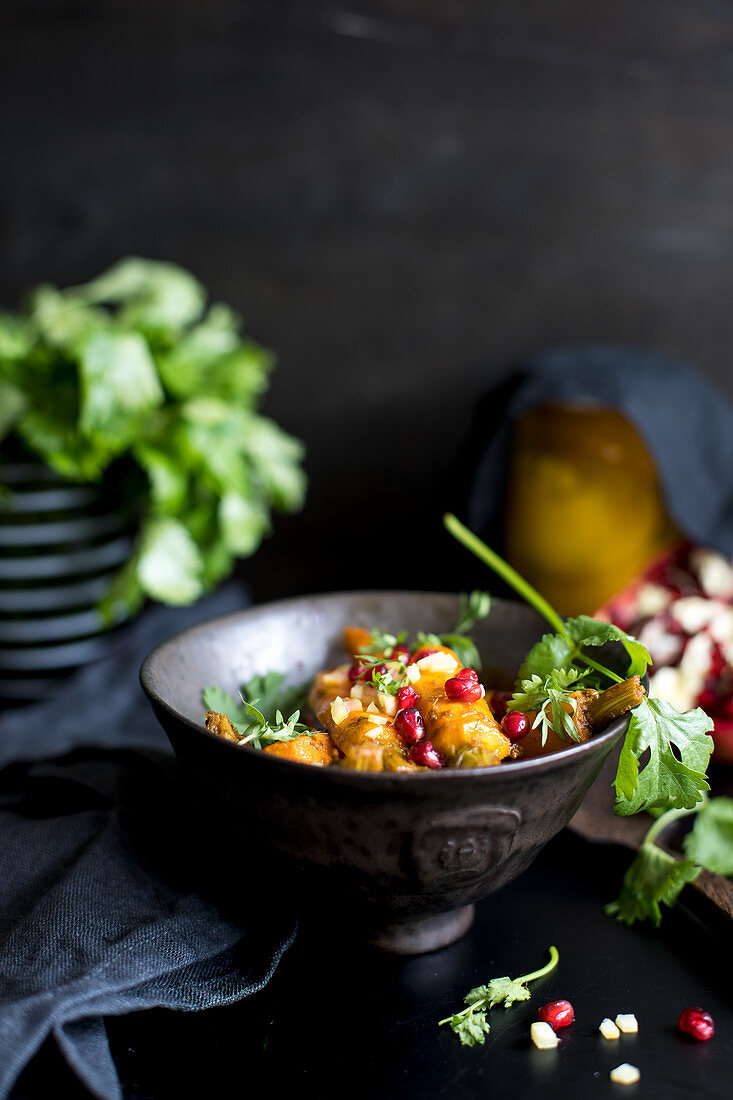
550, 698
470, 1024
472, 606
656, 877
257, 716
665, 754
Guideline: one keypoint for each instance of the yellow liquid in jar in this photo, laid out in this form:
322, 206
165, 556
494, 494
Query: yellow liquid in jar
584, 510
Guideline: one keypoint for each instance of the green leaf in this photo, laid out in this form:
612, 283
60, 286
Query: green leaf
12, 405
507, 991
654, 878
679, 750
276, 458
166, 476
464, 649
471, 1029
586, 631
215, 698
151, 294
119, 382
243, 523
710, 843
169, 563
272, 694
550, 653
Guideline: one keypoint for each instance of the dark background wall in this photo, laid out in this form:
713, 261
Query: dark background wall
400, 196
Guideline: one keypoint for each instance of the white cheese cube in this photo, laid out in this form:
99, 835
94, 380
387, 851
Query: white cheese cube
437, 662
693, 612
627, 1023
625, 1074
339, 711
608, 1029
714, 571
388, 703
543, 1037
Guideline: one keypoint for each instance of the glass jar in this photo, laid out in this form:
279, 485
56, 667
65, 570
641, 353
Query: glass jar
584, 510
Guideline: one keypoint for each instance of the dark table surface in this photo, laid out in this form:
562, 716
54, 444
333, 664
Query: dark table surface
337, 1019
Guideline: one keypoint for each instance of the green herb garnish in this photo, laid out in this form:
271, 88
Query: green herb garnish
257, 716
550, 698
665, 754
135, 371
471, 1025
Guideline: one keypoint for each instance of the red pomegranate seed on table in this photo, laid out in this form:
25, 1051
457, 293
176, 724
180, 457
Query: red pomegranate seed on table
462, 690
425, 755
515, 725
409, 725
697, 1023
557, 1014
407, 697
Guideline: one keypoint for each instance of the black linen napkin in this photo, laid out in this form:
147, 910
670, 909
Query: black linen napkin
685, 421
107, 903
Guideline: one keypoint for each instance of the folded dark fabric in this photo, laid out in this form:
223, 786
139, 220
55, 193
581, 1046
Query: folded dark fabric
685, 421
108, 902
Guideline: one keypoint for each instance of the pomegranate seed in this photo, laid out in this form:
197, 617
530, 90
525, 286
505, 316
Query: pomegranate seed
425, 755
409, 725
707, 699
420, 653
698, 1024
407, 697
400, 653
498, 703
557, 1014
360, 670
467, 674
515, 725
462, 690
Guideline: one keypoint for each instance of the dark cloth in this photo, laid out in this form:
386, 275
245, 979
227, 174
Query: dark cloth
105, 907
686, 423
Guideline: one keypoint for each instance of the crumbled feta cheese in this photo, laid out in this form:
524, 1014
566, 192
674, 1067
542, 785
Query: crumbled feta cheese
627, 1023
669, 684
714, 572
695, 664
721, 629
388, 703
608, 1029
543, 1037
437, 662
665, 648
651, 599
693, 612
625, 1074
339, 711
412, 672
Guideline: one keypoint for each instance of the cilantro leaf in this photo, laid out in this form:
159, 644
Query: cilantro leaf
550, 653
272, 695
586, 631
506, 991
654, 877
168, 562
471, 1029
710, 843
550, 699
216, 699
679, 750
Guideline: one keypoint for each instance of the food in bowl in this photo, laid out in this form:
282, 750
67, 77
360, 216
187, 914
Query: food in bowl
398, 708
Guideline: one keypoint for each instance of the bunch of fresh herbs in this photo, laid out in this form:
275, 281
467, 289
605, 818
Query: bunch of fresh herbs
135, 371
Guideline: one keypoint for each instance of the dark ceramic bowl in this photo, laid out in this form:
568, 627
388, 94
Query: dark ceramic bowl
401, 857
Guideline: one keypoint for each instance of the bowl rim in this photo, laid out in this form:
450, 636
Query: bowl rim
349, 776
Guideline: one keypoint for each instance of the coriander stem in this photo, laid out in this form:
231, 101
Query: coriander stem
666, 819
516, 581
506, 572
554, 956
